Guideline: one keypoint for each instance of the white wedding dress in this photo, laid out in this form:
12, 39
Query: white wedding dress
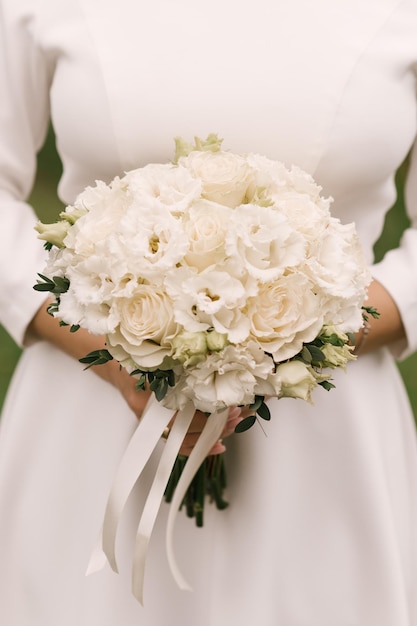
322, 524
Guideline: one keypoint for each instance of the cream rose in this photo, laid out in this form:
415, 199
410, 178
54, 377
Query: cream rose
284, 315
297, 380
145, 327
225, 177
206, 226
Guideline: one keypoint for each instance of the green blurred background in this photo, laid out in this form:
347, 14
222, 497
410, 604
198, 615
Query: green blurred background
47, 206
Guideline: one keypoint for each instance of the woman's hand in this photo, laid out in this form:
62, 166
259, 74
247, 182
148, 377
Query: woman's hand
385, 330
197, 425
80, 343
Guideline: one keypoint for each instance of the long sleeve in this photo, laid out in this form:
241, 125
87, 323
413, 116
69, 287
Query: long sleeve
24, 114
397, 271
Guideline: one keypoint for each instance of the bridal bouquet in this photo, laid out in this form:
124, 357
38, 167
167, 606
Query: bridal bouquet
218, 279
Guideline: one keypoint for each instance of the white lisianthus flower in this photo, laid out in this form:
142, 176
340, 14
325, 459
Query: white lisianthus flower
285, 314
146, 326
225, 177
98, 317
164, 185
268, 174
305, 215
228, 378
264, 242
212, 299
337, 262
297, 380
152, 242
205, 225
105, 205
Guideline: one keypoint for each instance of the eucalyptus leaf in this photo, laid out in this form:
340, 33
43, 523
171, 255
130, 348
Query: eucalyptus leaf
327, 385
245, 424
316, 354
256, 403
264, 412
97, 357
306, 354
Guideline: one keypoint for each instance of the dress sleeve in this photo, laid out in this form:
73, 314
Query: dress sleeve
397, 271
24, 116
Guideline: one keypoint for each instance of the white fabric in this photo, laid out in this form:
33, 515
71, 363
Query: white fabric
322, 524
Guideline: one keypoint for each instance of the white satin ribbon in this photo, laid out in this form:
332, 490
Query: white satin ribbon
156, 495
209, 436
138, 452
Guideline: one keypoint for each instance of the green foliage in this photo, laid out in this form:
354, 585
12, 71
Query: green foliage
97, 357
56, 285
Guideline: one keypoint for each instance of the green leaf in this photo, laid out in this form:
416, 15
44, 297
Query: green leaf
61, 284
370, 310
306, 355
141, 382
264, 412
160, 387
256, 403
245, 424
352, 338
97, 357
327, 385
316, 354
335, 340
74, 328
56, 285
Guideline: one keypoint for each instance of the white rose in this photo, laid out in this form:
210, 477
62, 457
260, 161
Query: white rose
225, 177
284, 315
264, 242
206, 225
297, 380
142, 338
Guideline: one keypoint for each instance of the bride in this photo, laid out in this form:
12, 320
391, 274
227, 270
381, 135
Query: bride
322, 524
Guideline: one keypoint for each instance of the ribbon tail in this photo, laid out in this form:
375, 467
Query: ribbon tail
155, 496
210, 434
137, 454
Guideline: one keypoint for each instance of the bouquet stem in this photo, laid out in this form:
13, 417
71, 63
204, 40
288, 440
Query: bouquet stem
210, 480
